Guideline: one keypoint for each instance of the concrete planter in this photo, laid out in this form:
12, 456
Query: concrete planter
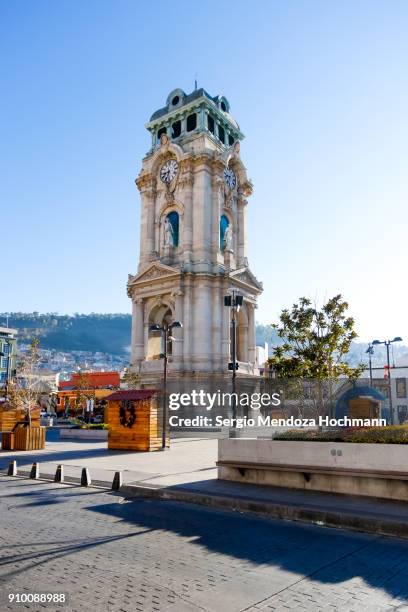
84, 434
375, 470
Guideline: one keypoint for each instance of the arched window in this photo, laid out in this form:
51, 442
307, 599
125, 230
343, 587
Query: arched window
211, 124
191, 122
173, 217
176, 129
162, 130
221, 134
224, 223
160, 315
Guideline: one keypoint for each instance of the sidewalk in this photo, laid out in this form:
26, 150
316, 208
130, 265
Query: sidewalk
187, 473
188, 460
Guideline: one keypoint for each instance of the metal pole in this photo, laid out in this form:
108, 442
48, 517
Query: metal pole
7, 369
370, 350
234, 361
8, 361
234, 355
387, 344
165, 331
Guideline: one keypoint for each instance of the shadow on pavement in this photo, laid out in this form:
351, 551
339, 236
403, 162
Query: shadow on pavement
303, 549
51, 554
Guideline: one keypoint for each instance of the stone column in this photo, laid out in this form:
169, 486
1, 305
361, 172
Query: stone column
147, 227
151, 233
216, 213
138, 346
216, 329
143, 257
241, 233
187, 227
187, 322
251, 333
146, 338
177, 333
242, 341
202, 215
202, 325
202, 122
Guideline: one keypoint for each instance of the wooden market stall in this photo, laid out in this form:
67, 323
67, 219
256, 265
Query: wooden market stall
17, 433
135, 420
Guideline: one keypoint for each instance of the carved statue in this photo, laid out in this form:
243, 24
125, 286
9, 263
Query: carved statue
228, 238
168, 233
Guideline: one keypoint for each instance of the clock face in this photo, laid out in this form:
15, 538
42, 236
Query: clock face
168, 171
230, 178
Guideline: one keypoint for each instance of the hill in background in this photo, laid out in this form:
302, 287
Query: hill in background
110, 333
106, 333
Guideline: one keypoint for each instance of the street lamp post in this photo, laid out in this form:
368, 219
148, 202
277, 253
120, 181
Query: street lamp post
387, 344
370, 351
233, 301
164, 330
5, 384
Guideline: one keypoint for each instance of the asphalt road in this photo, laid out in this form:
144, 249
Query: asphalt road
106, 553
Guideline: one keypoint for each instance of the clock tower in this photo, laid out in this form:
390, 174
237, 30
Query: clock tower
193, 241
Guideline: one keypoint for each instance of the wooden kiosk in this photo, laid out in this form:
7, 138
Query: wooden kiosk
135, 420
16, 432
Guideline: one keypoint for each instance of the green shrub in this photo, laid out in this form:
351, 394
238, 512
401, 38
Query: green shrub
94, 426
391, 434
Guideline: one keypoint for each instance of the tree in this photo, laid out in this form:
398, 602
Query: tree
315, 345
83, 391
23, 391
131, 379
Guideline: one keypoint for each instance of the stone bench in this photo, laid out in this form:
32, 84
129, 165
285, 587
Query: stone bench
242, 466
350, 470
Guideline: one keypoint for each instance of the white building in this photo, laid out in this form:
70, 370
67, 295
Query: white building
261, 357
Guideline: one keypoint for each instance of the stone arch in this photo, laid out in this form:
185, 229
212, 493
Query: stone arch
171, 102
232, 158
223, 104
226, 220
160, 313
165, 151
167, 207
167, 211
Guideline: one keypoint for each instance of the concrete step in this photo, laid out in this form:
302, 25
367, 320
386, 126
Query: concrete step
324, 509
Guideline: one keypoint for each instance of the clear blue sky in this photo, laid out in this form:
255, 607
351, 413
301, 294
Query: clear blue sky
318, 88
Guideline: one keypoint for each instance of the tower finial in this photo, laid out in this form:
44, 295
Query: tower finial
195, 82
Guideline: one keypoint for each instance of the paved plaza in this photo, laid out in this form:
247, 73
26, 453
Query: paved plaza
189, 460
108, 553
187, 473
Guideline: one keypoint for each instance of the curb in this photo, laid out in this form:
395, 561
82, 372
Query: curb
305, 514
349, 521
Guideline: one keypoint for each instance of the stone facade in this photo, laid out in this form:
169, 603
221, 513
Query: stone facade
193, 244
